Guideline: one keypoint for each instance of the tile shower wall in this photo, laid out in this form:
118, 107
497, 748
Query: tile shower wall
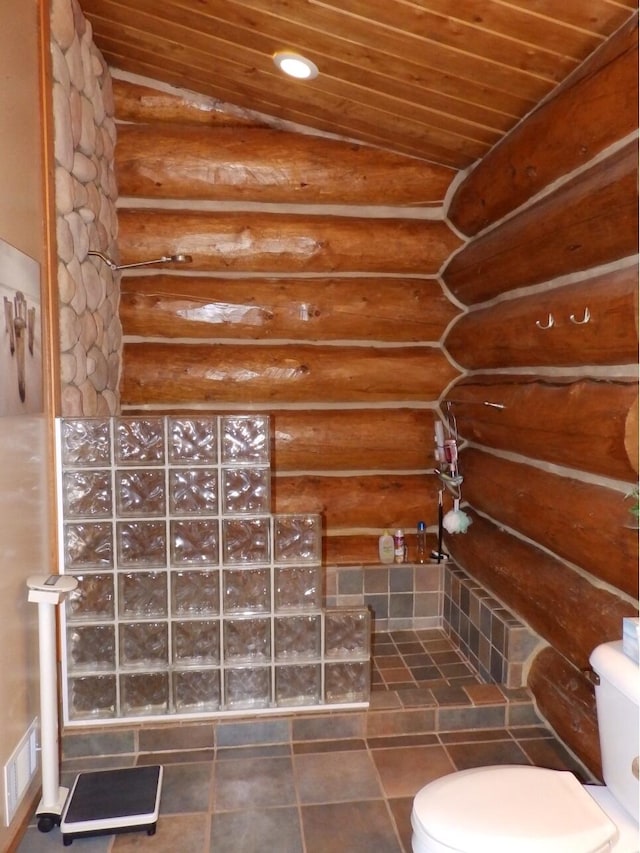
192, 597
497, 643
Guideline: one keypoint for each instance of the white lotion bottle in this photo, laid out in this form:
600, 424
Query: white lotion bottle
385, 547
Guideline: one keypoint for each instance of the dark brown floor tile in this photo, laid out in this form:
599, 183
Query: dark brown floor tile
444, 657
176, 738
393, 676
260, 782
357, 827
414, 648
306, 747
405, 770
473, 735
269, 750
254, 831
391, 742
320, 778
386, 661
401, 812
469, 755
425, 673
485, 694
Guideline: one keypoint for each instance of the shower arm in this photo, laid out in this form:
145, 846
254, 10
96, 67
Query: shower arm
165, 259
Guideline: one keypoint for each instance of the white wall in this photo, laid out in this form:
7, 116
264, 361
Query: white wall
24, 534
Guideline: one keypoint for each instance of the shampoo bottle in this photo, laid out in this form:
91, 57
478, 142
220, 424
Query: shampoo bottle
385, 547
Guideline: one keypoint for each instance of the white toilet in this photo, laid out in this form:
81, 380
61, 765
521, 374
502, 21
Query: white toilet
523, 809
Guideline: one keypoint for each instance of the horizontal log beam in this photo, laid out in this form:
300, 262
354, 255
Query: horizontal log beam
375, 309
507, 334
591, 220
565, 698
587, 525
137, 103
582, 118
563, 607
158, 161
577, 423
272, 243
352, 501
174, 374
352, 440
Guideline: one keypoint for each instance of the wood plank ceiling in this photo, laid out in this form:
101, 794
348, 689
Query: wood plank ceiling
442, 80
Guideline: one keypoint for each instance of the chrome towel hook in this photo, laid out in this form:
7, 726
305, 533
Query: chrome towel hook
550, 323
585, 318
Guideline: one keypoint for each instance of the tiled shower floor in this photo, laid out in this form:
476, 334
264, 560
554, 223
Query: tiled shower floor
339, 789
407, 659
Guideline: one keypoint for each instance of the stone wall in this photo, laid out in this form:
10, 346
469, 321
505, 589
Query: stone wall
85, 198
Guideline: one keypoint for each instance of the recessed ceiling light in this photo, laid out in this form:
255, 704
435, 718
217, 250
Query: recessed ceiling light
295, 65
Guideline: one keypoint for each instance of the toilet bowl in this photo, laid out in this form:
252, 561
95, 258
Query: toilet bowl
524, 809
513, 809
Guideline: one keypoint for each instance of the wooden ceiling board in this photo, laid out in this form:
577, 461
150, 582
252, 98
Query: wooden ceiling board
442, 80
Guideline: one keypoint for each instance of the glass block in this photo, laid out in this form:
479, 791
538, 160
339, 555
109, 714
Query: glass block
249, 687
142, 594
193, 491
196, 642
86, 494
92, 599
91, 647
245, 439
193, 440
196, 690
144, 693
247, 591
140, 492
348, 681
247, 640
144, 644
85, 442
347, 633
297, 637
194, 543
298, 588
297, 538
246, 490
92, 697
139, 441
88, 545
298, 685
245, 540
195, 593
141, 543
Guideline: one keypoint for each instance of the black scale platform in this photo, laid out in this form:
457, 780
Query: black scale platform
112, 801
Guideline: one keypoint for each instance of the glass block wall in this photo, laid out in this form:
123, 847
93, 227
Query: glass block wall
193, 598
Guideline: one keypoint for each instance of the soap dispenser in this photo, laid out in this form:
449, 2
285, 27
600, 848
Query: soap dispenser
385, 547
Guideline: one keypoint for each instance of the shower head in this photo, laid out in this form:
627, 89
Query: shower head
165, 259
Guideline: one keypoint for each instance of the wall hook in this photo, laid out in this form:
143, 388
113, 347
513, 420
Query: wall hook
585, 318
550, 323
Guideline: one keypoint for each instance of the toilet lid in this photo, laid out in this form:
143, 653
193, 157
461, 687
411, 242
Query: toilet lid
509, 808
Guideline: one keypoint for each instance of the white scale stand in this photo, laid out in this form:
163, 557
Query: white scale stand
102, 802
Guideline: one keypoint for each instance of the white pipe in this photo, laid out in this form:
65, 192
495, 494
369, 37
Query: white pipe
48, 708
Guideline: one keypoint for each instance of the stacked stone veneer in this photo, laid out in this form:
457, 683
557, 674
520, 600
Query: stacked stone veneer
85, 200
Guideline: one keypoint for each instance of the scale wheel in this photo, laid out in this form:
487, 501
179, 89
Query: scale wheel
46, 822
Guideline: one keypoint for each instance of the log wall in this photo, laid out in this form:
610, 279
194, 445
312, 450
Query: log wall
550, 339
313, 294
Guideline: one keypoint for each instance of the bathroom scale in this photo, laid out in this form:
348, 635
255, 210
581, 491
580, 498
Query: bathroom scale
112, 801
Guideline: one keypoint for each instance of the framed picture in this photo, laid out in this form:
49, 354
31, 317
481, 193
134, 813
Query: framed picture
20, 333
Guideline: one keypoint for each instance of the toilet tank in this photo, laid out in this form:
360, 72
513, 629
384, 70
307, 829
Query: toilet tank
618, 704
